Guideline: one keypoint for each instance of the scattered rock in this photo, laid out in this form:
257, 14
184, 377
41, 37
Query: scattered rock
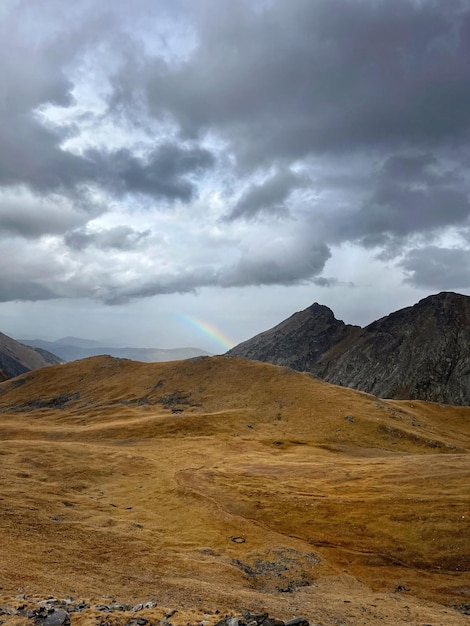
461, 608
297, 621
49, 616
260, 619
52, 612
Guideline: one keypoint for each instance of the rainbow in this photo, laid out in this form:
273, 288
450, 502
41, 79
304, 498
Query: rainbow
209, 330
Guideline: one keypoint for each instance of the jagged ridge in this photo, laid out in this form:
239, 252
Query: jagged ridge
420, 352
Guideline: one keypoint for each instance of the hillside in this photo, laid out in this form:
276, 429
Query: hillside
218, 484
420, 352
16, 358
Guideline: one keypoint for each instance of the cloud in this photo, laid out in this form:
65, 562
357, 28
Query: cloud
121, 238
163, 174
276, 132
26, 290
292, 259
25, 215
438, 268
303, 77
408, 195
33, 73
268, 197
31, 269
41, 68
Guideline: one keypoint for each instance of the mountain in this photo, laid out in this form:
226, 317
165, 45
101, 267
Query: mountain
17, 358
298, 341
75, 348
77, 341
216, 484
420, 352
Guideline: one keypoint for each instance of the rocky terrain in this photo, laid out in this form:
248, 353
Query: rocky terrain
188, 492
55, 612
420, 352
16, 358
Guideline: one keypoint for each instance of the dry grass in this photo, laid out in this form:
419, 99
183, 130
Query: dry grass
129, 479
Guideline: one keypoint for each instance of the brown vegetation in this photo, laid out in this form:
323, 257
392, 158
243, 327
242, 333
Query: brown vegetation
222, 484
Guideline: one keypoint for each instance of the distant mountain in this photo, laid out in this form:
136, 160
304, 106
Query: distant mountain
420, 352
17, 358
75, 348
79, 342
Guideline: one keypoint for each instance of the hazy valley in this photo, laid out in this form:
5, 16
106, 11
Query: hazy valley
75, 348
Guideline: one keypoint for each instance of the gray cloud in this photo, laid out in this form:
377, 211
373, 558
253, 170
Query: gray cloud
39, 69
162, 174
24, 290
121, 238
438, 268
302, 77
193, 115
33, 72
409, 194
268, 197
289, 262
280, 262
24, 215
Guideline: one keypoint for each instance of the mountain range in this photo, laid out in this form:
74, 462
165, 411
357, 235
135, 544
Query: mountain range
19, 357
74, 348
419, 352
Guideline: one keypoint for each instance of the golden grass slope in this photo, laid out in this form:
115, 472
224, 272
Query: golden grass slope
220, 483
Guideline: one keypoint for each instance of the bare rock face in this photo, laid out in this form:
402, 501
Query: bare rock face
16, 358
299, 341
421, 352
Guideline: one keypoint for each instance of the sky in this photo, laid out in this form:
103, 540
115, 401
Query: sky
192, 172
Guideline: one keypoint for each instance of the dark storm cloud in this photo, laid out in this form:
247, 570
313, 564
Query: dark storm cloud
37, 70
35, 161
162, 174
30, 152
409, 194
277, 87
23, 215
117, 238
24, 290
268, 197
37, 53
385, 82
295, 78
438, 268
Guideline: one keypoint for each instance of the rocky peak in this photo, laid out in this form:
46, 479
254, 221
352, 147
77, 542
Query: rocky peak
420, 352
298, 341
